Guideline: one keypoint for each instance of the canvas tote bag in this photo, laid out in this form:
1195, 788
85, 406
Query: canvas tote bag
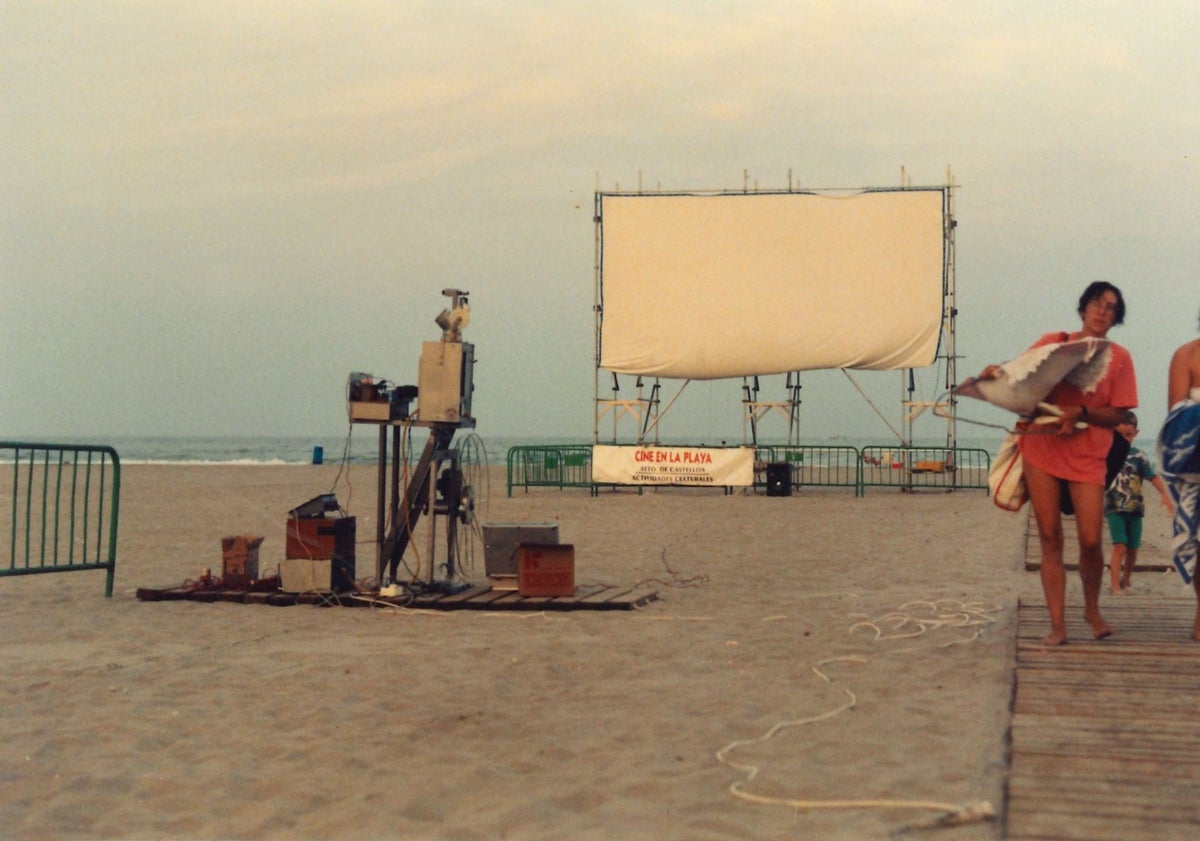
1006, 478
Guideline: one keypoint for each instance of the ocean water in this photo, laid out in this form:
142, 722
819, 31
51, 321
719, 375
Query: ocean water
361, 447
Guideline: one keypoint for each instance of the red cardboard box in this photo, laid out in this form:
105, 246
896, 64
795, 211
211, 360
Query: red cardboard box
320, 538
546, 569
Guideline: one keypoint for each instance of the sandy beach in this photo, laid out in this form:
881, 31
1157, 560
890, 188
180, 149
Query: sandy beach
804, 650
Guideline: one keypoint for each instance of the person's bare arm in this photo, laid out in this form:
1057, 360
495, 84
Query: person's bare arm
1167, 502
1109, 416
1179, 375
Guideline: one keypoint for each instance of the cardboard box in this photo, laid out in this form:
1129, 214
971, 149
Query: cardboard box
298, 575
370, 410
320, 538
301, 575
546, 569
239, 556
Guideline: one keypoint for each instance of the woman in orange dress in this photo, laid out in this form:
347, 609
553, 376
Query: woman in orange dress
1067, 453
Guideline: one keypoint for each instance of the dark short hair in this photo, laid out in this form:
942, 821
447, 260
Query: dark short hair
1097, 288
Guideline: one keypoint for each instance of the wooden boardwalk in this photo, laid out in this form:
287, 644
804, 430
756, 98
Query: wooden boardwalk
1105, 739
480, 597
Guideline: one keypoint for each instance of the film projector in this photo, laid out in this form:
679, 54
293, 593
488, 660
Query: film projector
436, 487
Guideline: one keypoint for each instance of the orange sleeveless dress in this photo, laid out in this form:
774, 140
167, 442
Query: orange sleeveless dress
1080, 457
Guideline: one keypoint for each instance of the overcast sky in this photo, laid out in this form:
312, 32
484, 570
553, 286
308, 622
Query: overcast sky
212, 212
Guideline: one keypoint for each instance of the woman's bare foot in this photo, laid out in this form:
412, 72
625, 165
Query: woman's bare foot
1056, 638
1100, 628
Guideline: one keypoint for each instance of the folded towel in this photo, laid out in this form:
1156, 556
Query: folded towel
1178, 449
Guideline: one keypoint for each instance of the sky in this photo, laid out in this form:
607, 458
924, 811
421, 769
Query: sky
211, 213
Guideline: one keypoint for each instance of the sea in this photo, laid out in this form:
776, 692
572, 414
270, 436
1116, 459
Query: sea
359, 448
362, 448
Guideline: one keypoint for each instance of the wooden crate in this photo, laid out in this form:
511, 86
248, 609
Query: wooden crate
239, 556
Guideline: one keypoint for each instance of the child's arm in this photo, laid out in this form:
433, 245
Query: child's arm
1166, 497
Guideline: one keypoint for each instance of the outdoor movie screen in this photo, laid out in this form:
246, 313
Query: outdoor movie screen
713, 286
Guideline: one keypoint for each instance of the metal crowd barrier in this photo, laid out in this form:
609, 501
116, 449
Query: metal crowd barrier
63, 502
911, 468
813, 465
559, 466
809, 465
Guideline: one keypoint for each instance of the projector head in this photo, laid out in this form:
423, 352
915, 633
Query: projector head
457, 297
453, 321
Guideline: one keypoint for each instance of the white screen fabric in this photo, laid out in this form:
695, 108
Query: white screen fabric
713, 286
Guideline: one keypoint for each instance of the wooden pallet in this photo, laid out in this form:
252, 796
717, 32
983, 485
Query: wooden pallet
479, 597
1105, 740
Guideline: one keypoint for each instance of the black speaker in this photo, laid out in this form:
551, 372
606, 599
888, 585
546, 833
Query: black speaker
779, 479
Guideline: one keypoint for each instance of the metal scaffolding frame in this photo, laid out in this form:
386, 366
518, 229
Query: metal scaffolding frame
643, 405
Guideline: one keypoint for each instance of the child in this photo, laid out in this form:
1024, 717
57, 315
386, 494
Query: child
1124, 506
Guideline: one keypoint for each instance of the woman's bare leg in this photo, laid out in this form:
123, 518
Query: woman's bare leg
1044, 497
1089, 520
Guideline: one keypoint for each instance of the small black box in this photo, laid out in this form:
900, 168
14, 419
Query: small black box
779, 479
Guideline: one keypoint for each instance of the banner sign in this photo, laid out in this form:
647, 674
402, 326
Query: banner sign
692, 466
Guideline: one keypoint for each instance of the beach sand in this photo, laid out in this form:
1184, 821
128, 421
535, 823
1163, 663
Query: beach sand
774, 668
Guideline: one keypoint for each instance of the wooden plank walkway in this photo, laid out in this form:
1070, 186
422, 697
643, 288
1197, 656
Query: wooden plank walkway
479, 597
1105, 738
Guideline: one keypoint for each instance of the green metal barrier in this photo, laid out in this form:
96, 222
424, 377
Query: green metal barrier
63, 501
558, 466
812, 465
823, 466
913, 468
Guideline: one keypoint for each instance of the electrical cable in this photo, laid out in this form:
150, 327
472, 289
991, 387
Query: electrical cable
938, 615
344, 467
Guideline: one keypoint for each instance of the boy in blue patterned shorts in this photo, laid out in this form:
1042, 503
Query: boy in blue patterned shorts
1125, 506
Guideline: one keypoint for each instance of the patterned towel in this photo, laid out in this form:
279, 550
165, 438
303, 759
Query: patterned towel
1024, 382
1179, 463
